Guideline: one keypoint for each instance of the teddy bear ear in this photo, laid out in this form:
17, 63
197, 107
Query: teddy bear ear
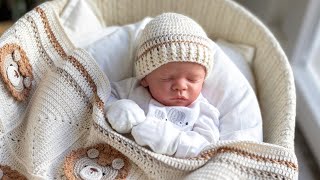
117, 163
93, 153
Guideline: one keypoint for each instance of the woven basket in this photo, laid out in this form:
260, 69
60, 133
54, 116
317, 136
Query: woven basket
38, 129
228, 20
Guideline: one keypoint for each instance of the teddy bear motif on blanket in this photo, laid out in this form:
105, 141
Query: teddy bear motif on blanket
96, 163
16, 71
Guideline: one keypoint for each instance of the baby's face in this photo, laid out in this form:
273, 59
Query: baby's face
175, 83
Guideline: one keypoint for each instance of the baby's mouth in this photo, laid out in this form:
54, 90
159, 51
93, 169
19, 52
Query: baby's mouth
181, 98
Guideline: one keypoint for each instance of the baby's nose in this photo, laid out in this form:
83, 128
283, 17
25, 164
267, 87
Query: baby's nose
180, 85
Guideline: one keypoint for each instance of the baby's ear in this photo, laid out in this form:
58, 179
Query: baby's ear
143, 82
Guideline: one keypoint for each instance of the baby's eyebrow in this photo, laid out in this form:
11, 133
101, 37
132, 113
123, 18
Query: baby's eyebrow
165, 75
196, 75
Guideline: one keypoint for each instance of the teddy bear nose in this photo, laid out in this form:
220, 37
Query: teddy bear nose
91, 173
94, 169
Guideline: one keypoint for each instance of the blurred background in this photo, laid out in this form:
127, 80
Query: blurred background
296, 24
11, 10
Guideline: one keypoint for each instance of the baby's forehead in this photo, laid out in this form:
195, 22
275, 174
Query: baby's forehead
181, 68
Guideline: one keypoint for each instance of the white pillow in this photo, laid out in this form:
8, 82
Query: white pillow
114, 52
80, 23
228, 90
242, 56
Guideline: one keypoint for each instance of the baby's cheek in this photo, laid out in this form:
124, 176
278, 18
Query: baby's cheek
161, 92
155, 93
163, 87
196, 90
199, 86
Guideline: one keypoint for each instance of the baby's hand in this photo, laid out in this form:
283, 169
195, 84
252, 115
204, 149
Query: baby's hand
161, 136
124, 114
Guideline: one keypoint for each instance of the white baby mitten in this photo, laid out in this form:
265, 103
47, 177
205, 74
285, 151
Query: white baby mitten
161, 136
124, 114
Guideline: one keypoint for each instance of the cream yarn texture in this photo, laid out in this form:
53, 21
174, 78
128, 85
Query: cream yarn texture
172, 37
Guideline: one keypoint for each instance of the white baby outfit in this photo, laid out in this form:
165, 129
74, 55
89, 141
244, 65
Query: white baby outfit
172, 130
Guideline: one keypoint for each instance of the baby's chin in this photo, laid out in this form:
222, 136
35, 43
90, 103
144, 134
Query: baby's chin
177, 102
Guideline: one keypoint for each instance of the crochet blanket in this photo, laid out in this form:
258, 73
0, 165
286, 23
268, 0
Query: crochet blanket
52, 121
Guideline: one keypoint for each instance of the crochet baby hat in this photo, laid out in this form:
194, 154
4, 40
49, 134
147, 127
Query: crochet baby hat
172, 37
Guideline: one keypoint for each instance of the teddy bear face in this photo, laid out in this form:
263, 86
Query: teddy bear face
15, 71
96, 163
89, 169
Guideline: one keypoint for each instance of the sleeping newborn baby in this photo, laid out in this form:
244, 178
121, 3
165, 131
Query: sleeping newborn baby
162, 106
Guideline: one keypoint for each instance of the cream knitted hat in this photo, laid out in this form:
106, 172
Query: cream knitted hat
172, 37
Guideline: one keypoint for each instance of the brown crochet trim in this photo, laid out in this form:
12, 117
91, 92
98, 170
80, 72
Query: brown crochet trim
164, 43
71, 59
89, 79
24, 69
50, 33
210, 153
43, 55
75, 85
175, 35
8, 174
262, 174
42, 52
106, 155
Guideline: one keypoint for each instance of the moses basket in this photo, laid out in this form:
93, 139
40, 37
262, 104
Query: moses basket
52, 123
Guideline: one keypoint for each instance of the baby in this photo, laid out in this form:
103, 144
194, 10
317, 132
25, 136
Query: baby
162, 106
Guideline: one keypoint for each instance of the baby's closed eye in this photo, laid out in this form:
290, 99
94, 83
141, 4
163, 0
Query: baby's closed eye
194, 79
166, 79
